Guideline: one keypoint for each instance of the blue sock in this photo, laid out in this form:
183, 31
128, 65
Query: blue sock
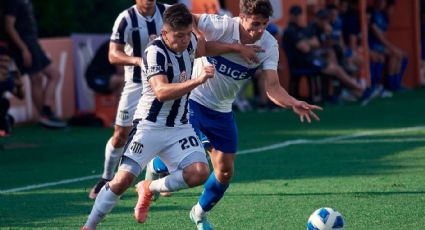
391, 82
213, 192
399, 76
373, 76
379, 69
159, 166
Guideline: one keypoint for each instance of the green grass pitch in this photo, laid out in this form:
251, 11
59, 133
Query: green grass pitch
366, 162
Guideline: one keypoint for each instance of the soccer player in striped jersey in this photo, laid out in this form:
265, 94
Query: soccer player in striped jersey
134, 28
161, 123
211, 103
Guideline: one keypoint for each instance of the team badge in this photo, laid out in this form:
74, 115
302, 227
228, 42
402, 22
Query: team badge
183, 76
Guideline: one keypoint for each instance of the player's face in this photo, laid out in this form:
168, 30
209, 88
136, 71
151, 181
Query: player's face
177, 39
254, 25
147, 4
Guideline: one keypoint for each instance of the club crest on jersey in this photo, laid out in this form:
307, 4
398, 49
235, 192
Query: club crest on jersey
124, 115
183, 76
136, 147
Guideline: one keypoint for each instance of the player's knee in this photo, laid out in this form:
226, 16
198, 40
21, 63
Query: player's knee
196, 174
224, 176
120, 184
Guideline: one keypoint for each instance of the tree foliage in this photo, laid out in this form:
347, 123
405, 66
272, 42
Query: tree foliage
64, 17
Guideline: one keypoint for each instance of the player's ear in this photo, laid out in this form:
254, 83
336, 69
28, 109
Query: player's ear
163, 33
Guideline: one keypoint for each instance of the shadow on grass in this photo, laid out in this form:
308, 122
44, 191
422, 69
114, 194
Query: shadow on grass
318, 161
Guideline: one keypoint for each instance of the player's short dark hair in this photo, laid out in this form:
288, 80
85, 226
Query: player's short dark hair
256, 7
177, 16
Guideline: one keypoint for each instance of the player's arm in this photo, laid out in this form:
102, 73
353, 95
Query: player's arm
155, 72
10, 21
117, 56
278, 95
165, 91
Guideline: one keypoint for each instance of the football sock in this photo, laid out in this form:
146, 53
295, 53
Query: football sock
376, 69
103, 205
213, 192
198, 211
159, 166
112, 158
391, 81
170, 183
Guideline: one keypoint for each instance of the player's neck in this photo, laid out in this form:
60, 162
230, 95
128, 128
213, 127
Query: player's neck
145, 11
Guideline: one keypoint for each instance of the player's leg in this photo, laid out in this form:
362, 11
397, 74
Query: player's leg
156, 169
220, 128
214, 187
111, 192
187, 163
123, 124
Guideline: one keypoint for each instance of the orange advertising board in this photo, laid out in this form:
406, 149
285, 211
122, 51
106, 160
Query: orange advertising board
59, 50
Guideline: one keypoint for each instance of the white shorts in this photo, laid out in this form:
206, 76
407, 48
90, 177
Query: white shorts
129, 99
172, 144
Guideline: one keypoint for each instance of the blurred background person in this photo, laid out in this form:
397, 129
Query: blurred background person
21, 28
10, 81
102, 76
396, 60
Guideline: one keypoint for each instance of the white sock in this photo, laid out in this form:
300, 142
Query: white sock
170, 183
103, 205
198, 211
112, 158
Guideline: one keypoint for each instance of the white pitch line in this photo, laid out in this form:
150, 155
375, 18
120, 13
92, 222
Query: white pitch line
29, 187
330, 139
247, 151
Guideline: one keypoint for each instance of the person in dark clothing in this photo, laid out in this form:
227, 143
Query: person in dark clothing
378, 42
21, 29
103, 77
303, 50
10, 81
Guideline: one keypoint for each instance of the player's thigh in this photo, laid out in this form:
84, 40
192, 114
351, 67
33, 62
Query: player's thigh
144, 144
128, 103
222, 162
184, 148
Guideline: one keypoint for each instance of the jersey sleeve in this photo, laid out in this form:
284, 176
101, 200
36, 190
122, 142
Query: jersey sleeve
213, 26
155, 62
120, 30
271, 61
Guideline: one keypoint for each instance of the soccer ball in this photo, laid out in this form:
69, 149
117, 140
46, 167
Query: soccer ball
325, 219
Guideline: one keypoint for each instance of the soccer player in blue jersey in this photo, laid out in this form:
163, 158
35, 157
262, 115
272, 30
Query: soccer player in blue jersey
211, 103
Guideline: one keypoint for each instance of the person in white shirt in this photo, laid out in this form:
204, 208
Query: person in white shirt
211, 103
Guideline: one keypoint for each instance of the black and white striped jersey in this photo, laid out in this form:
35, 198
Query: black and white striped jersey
135, 31
159, 60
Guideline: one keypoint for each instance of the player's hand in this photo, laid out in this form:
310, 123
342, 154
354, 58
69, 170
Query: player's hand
207, 73
305, 110
27, 58
249, 53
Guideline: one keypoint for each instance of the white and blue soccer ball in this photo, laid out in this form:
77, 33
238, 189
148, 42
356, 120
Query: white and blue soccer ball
325, 219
